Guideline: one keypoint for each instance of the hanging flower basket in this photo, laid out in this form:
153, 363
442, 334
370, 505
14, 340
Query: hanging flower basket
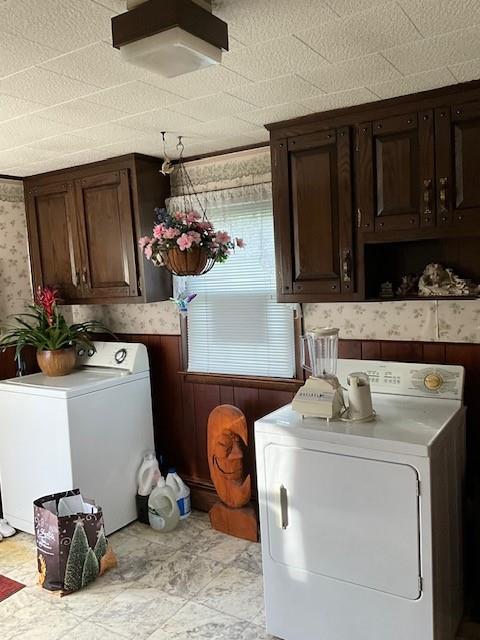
194, 262
185, 242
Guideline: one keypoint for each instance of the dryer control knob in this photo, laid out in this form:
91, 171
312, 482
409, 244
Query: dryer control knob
433, 381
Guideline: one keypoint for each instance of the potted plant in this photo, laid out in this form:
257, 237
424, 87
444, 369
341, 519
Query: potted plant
186, 243
45, 328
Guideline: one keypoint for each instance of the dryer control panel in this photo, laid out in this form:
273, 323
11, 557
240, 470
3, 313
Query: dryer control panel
406, 378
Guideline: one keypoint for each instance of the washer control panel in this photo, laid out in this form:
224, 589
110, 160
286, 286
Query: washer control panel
405, 378
126, 357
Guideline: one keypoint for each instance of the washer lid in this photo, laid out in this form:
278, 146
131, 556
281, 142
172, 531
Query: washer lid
80, 382
403, 425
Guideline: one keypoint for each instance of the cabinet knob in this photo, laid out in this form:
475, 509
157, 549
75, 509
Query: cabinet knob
382, 224
444, 218
84, 276
460, 218
366, 225
425, 117
334, 286
379, 126
442, 114
458, 112
412, 220
427, 219
409, 121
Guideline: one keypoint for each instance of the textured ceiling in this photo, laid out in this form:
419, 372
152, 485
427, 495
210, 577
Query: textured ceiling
67, 98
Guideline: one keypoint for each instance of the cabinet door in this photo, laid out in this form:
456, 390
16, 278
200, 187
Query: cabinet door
347, 518
457, 158
396, 173
105, 216
54, 239
313, 214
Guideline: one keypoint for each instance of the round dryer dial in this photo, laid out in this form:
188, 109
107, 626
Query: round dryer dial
433, 381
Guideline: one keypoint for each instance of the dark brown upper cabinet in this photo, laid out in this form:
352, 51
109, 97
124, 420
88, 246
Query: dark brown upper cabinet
84, 224
53, 236
457, 158
395, 175
312, 201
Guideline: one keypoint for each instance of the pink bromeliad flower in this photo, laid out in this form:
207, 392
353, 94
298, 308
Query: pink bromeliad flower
184, 242
144, 241
240, 242
222, 237
170, 233
158, 231
195, 236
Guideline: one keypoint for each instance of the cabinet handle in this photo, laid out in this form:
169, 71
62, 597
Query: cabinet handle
359, 217
84, 276
347, 266
283, 499
77, 278
426, 196
443, 194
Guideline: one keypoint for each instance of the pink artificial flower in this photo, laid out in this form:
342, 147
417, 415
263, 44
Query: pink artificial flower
179, 215
184, 242
205, 225
195, 236
170, 233
192, 217
148, 251
158, 231
241, 244
223, 237
144, 241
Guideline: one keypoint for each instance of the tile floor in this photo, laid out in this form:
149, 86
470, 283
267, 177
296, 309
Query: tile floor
192, 583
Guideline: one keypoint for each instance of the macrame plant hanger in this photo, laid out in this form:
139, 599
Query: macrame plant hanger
196, 261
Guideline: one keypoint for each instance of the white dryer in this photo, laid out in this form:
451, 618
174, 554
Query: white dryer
361, 523
86, 430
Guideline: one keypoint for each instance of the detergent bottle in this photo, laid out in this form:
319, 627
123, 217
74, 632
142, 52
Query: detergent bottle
148, 474
181, 492
163, 512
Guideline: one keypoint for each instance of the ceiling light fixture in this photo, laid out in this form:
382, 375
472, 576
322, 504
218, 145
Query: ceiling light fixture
170, 37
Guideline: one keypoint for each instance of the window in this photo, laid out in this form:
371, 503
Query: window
235, 326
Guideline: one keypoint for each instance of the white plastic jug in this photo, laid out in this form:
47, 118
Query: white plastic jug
163, 512
181, 492
148, 474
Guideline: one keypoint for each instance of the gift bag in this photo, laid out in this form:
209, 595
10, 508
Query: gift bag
72, 549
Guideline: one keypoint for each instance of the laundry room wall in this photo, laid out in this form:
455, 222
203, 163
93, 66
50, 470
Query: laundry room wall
15, 283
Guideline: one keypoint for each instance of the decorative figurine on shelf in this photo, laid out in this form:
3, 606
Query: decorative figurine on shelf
227, 440
437, 281
386, 290
408, 286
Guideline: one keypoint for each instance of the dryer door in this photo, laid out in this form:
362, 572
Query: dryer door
347, 518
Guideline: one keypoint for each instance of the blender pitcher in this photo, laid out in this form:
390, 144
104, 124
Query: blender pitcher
322, 348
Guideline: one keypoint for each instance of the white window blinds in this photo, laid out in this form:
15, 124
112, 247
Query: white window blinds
235, 326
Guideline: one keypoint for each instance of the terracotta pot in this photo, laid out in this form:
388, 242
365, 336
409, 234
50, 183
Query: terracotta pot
186, 263
57, 363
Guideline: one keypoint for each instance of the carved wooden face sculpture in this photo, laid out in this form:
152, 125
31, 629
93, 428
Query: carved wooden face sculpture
227, 439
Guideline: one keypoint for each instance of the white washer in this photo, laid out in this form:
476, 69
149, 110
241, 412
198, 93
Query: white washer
361, 523
86, 430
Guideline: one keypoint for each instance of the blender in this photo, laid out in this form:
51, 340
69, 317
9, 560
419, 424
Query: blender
321, 396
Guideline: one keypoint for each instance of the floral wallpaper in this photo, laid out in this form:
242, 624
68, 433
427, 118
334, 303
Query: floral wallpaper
424, 320
15, 285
